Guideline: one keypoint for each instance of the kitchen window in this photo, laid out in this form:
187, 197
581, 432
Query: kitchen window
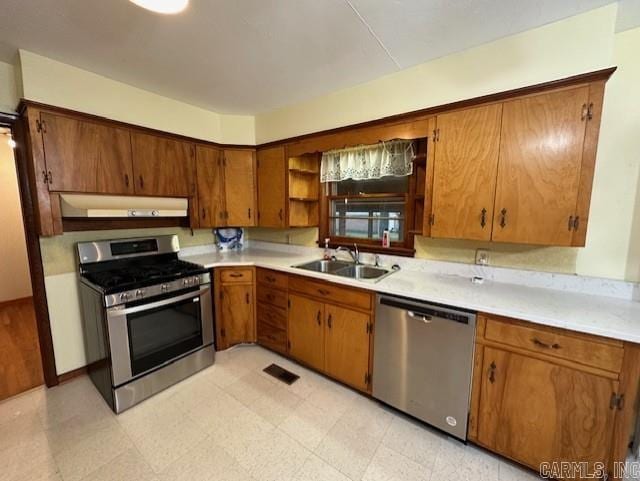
361, 202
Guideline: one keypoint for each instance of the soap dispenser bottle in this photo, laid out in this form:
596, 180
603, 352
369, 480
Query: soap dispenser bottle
327, 251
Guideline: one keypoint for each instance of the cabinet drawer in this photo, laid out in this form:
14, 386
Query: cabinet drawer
272, 278
274, 316
332, 293
272, 337
230, 276
272, 296
576, 347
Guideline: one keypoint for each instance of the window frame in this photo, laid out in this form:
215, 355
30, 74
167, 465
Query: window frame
415, 193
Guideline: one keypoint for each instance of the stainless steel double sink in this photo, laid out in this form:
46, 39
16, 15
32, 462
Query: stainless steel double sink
346, 269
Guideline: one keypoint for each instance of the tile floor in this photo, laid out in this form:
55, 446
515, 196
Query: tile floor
231, 422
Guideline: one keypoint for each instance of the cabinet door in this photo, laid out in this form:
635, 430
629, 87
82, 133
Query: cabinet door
539, 167
346, 351
533, 411
271, 187
162, 166
210, 176
240, 187
71, 153
465, 171
115, 169
236, 311
306, 331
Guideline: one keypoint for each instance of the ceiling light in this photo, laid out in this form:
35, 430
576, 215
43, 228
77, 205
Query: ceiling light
162, 6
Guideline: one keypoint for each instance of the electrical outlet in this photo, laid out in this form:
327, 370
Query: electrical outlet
482, 257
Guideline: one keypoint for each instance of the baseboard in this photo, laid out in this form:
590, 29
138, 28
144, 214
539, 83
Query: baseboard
20, 300
68, 376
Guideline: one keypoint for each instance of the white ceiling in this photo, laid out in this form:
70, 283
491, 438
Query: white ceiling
249, 56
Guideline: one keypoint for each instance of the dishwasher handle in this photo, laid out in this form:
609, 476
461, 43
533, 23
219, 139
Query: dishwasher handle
426, 312
421, 317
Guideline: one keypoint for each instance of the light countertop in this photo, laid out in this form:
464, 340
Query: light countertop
600, 315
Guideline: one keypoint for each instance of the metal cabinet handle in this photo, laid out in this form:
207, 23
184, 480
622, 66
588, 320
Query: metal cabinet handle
585, 112
126, 180
235, 274
270, 279
318, 320
323, 292
204, 214
247, 298
141, 182
483, 217
544, 345
503, 218
492, 372
570, 223
249, 212
50, 178
329, 319
280, 214
590, 111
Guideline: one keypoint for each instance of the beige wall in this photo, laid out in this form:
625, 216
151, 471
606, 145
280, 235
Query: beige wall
579, 44
51, 82
8, 88
14, 265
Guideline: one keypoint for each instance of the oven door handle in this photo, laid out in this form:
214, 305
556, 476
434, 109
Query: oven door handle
164, 302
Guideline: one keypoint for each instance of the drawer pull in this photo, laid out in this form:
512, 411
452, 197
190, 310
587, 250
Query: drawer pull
270, 279
235, 274
544, 345
323, 292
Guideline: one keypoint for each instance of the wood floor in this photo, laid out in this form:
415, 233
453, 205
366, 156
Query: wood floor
20, 364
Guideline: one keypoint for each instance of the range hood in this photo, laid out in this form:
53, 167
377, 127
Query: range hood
87, 205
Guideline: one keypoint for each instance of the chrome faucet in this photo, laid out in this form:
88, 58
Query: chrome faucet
355, 254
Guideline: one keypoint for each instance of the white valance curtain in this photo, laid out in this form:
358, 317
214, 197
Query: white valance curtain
368, 161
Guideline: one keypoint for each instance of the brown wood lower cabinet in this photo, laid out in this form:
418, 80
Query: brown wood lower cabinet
346, 346
535, 403
235, 314
328, 334
322, 325
306, 331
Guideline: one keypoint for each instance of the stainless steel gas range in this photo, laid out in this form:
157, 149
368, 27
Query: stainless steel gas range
148, 317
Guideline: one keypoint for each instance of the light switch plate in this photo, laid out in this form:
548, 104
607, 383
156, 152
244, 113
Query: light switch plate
482, 257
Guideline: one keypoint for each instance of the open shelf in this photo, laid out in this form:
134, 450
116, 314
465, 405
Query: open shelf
304, 190
303, 171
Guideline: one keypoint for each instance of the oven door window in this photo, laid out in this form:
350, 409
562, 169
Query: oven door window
164, 333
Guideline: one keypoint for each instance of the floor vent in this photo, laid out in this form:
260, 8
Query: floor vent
281, 374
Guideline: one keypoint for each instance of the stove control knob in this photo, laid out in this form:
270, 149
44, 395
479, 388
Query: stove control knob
186, 282
164, 287
196, 280
124, 296
155, 213
140, 293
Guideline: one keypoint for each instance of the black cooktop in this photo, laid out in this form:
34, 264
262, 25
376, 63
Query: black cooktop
119, 276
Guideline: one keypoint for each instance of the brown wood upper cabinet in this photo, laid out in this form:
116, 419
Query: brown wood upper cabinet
163, 166
517, 171
83, 156
210, 175
272, 195
541, 152
240, 187
465, 168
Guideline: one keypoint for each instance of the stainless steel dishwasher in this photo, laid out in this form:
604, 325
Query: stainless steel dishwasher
423, 359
